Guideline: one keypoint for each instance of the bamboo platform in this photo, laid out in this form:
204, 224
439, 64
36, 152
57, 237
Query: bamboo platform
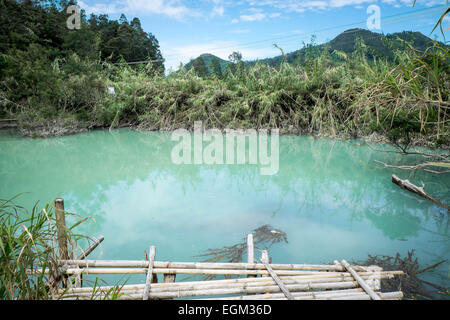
255, 282
251, 280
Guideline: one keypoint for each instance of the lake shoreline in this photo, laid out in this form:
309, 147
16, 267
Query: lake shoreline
52, 129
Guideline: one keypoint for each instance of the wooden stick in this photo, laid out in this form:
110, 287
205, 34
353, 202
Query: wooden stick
361, 282
169, 278
151, 258
61, 229
61, 234
283, 288
405, 184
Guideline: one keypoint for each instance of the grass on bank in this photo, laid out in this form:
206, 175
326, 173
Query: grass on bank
29, 242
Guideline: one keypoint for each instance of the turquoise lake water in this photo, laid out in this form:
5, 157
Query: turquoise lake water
330, 198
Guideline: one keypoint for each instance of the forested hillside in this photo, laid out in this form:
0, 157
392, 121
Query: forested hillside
42, 25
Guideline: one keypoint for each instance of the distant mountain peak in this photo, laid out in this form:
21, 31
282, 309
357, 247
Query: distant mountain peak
207, 57
345, 42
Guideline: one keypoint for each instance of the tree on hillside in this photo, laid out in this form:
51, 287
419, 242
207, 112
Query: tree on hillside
215, 68
237, 64
200, 67
235, 57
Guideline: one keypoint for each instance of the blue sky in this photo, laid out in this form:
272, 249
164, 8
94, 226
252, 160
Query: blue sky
187, 28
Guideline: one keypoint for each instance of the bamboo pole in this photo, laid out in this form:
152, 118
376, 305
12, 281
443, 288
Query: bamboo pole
79, 278
347, 294
243, 290
200, 286
247, 281
280, 284
204, 265
297, 295
265, 260
151, 258
91, 248
361, 282
234, 290
189, 271
308, 296
218, 284
155, 288
250, 252
179, 271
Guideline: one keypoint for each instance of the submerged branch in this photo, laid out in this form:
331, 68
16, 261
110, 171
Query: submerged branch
405, 184
264, 237
411, 285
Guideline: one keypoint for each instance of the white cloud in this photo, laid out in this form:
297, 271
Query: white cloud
240, 31
218, 11
100, 8
164, 7
253, 17
302, 6
170, 8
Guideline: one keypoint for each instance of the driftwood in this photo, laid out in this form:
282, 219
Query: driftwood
405, 184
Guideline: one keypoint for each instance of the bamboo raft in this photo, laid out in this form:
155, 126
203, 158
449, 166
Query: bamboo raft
254, 280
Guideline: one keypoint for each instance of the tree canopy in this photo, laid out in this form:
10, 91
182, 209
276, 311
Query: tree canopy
44, 23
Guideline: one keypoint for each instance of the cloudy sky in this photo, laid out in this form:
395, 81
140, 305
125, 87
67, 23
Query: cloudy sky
188, 28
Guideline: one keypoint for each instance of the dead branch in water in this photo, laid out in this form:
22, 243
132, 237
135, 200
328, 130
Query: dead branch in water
405, 184
264, 237
410, 284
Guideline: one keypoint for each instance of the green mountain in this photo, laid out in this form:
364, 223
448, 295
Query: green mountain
378, 45
207, 57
